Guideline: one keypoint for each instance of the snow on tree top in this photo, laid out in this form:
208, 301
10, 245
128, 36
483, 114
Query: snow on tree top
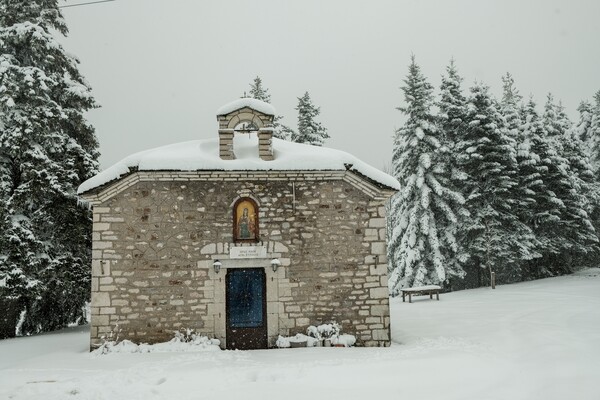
200, 155
254, 104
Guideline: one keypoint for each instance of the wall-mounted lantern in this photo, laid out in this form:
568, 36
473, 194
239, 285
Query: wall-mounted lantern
217, 266
275, 263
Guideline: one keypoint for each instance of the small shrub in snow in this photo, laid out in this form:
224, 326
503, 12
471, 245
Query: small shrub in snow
329, 331
186, 335
109, 341
285, 341
185, 340
324, 331
316, 334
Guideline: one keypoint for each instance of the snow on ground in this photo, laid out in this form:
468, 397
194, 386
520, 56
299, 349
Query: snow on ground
533, 340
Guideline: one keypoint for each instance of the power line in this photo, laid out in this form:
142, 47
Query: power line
85, 4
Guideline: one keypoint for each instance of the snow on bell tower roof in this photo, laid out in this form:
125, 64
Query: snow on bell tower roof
249, 102
243, 116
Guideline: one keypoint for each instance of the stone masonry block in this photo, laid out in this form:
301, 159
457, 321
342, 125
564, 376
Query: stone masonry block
380, 334
377, 223
100, 299
379, 269
380, 310
100, 320
101, 226
378, 248
378, 293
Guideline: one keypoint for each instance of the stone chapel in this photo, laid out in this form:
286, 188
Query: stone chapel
243, 238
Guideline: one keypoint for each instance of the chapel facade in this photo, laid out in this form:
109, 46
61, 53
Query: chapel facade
239, 246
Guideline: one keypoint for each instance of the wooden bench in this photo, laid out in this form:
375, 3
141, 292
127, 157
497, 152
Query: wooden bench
422, 290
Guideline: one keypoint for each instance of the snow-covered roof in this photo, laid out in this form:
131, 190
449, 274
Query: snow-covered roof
198, 155
254, 104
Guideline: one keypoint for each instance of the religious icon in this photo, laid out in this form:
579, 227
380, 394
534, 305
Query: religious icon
245, 219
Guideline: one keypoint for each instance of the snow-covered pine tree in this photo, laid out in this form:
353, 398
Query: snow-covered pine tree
582, 129
425, 210
452, 105
47, 149
309, 130
593, 133
259, 92
529, 174
555, 205
541, 163
511, 107
495, 238
574, 151
577, 237
452, 108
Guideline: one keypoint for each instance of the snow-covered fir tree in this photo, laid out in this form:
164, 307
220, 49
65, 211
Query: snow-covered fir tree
495, 238
542, 162
529, 176
581, 131
425, 212
47, 149
452, 108
593, 133
511, 107
582, 128
310, 131
569, 177
452, 105
557, 208
259, 92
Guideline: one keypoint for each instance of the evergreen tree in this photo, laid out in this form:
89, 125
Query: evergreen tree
546, 211
452, 106
425, 210
582, 129
511, 107
47, 149
451, 119
581, 132
572, 176
495, 238
593, 133
529, 175
309, 130
558, 208
259, 92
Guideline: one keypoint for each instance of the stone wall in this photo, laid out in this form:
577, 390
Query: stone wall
155, 241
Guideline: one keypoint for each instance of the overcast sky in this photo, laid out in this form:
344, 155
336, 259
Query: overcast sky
161, 68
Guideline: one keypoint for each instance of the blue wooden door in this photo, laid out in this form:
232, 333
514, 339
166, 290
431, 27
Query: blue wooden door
246, 309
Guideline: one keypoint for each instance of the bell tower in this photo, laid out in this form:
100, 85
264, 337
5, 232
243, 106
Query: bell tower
246, 115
